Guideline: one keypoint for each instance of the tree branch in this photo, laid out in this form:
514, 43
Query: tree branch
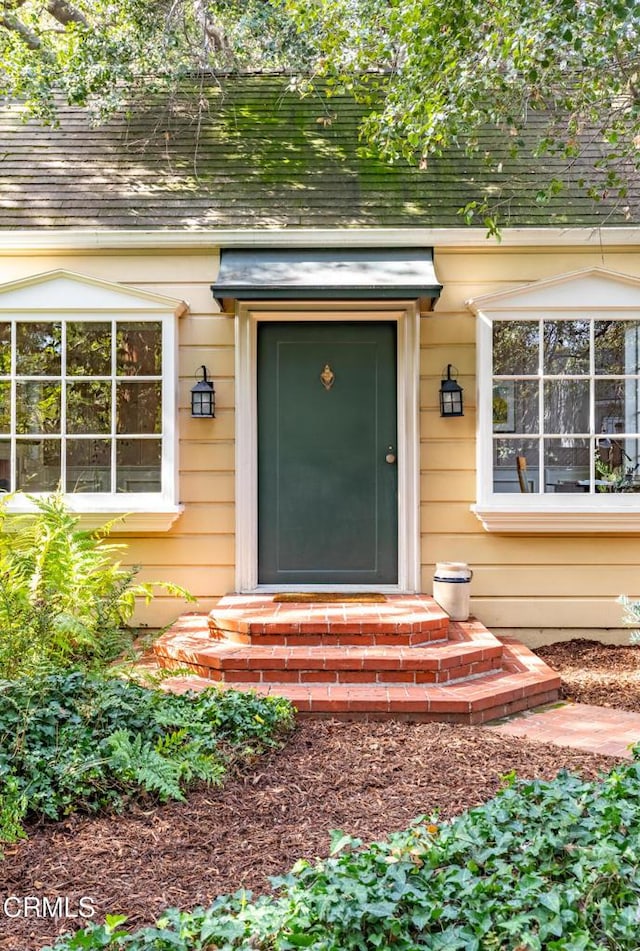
64, 13
14, 25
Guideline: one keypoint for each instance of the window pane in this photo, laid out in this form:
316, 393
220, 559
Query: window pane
138, 462
617, 406
138, 407
566, 346
37, 407
505, 469
139, 348
88, 465
566, 463
38, 465
515, 406
566, 406
38, 348
616, 344
515, 347
5, 407
88, 348
5, 349
89, 407
5, 465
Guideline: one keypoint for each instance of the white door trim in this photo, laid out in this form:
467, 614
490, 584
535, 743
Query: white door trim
407, 317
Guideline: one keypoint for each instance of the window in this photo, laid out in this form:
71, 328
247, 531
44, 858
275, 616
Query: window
87, 397
565, 400
81, 405
559, 405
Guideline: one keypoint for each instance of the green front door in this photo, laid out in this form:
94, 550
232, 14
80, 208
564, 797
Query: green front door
327, 474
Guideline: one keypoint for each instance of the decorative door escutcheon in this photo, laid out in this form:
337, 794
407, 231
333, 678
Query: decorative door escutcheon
327, 377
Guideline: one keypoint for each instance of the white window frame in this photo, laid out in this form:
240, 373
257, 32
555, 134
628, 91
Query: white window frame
61, 295
595, 293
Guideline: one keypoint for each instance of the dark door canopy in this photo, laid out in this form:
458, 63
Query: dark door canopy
326, 274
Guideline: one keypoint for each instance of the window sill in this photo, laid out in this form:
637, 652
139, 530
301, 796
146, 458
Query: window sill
584, 520
126, 521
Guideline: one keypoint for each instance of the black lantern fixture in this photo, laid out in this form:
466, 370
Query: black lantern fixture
450, 396
203, 397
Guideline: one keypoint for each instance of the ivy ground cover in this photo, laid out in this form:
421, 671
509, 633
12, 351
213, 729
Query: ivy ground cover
544, 865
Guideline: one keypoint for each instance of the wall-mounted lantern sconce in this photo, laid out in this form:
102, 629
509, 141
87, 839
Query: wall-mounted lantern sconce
203, 397
451, 395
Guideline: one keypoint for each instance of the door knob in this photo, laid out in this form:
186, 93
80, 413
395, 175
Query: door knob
390, 456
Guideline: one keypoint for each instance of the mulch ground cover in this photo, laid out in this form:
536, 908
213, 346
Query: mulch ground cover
368, 779
607, 675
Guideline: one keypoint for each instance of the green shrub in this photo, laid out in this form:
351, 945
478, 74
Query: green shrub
64, 598
631, 616
544, 866
79, 741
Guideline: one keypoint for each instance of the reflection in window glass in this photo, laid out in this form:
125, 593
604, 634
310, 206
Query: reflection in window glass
69, 394
566, 347
5, 349
505, 468
138, 465
5, 465
515, 347
38, 465
89, 406
566, 465
5, 407
88, 348
588, 433
515, 406
616, 346
566, 406
139, 348
38, 348
37, 407
138, 407
88, 465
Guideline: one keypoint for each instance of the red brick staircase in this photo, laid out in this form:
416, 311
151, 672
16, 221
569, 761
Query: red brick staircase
399, 658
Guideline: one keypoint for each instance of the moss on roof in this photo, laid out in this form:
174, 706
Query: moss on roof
252, 154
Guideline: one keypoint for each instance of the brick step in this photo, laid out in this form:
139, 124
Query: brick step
315, 664
401, 620
487, 697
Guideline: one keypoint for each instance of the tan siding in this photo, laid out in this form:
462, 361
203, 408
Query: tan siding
201, 456
569, 611
482, 548
181, 551
203, 518
150, 270
207, 487
520, 582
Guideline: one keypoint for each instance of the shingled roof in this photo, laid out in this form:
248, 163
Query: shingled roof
253, 154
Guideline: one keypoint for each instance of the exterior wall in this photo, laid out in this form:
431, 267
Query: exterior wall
198, 551
522, 584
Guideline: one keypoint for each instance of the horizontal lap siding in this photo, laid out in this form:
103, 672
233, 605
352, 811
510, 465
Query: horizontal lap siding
520, 581
198, 552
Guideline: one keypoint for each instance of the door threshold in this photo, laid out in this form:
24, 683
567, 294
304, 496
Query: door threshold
325, 588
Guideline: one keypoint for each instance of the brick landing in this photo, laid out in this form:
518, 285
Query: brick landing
400, 658
582, 726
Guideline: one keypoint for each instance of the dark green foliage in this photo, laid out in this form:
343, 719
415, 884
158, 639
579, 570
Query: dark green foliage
545, 866
77, 741
65, 599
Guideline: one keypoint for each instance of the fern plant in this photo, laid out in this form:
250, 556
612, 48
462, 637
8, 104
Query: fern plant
65, 597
